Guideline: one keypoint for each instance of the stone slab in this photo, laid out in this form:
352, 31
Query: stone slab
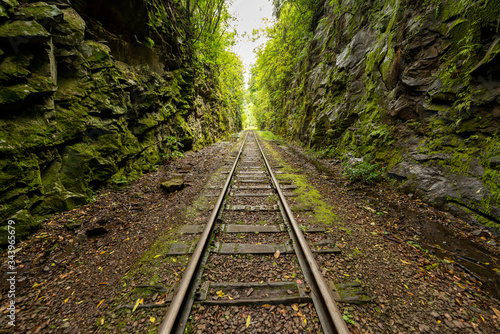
251, 172
261, 187
273, 293
252, 207
254, 180
233, 228
251, 194
191, 229
237, 248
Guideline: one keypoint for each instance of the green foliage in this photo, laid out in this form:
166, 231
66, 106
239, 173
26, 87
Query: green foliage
363, 171
202, 29
212, 40
149, 42
268, 135
287, 46
171, 149
414, 244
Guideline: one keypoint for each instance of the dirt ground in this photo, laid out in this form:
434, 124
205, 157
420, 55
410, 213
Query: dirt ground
424, 270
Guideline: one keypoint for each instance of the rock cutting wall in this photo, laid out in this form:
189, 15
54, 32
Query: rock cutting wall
82, 102
415, 84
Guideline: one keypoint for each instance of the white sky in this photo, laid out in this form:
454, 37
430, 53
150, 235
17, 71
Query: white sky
249, 15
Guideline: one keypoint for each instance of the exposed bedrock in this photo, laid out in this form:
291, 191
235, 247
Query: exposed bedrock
84, 99
416, 85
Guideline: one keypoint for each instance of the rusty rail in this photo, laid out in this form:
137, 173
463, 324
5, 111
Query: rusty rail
332, 319
171, 323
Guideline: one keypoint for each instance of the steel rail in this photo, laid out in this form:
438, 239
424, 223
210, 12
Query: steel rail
169, 323
327, 296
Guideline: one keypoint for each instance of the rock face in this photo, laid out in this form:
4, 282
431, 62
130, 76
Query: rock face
415, 85
82, 101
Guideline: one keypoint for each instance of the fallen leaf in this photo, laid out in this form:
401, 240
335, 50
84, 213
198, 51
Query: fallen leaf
139, 301
277, 254
102, 321
295, 307
248, 322
266, 306
220, 293
152, 319
102, 301
497, 312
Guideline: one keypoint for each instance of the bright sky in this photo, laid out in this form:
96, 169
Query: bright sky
249, 15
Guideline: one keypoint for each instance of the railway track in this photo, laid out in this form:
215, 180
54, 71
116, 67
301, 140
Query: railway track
252, 227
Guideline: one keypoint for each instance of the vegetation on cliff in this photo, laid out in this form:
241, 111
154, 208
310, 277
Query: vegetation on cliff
98, 91
412, 84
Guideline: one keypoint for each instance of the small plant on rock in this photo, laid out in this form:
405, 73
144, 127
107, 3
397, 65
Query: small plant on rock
171, 149
363, 171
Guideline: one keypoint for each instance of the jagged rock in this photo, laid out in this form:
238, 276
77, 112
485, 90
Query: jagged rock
21, 93
430, 182
174, 184
25, 224
71, 31
7, 8
18, 32
405, 91
4, 14
94, 52
85, 102
39, 11
11, 69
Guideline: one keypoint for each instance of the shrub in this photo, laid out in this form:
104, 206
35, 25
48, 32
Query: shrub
171, 149
363, 171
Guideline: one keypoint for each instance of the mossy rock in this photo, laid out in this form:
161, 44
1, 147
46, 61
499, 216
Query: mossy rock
71, 31
24, 31
7, 8
95, 52
60, 201
24, 224
4, 14
39, 11
10, 69
18, 95
173, 184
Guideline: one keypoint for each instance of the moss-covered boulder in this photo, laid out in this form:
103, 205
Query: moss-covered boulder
71, 31
39, 11
24, 31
